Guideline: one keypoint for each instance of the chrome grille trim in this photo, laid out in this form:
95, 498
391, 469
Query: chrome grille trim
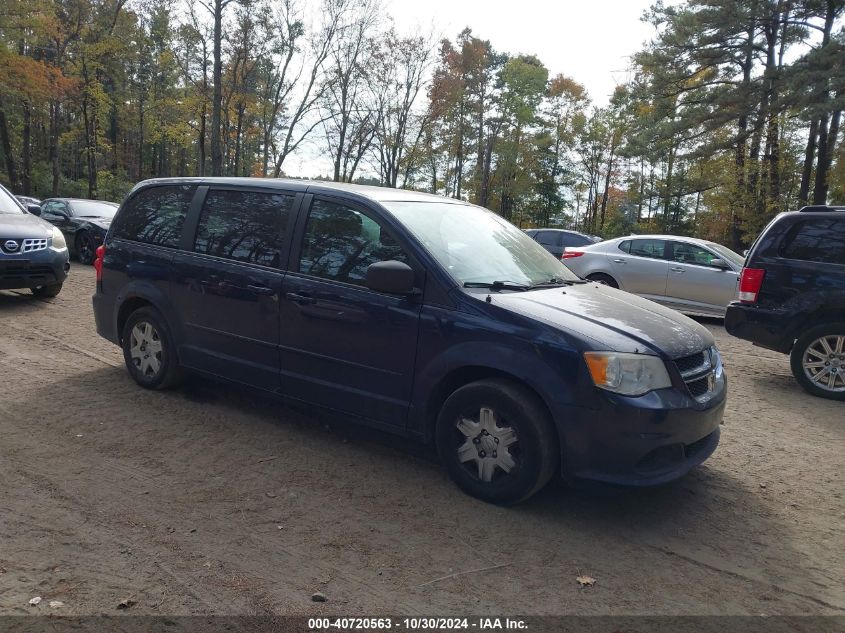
698, 372
30, 245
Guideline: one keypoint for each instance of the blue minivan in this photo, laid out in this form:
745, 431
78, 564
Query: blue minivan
421, 315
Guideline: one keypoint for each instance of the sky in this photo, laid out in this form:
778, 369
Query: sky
588, 40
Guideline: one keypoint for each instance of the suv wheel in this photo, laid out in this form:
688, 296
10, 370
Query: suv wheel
47, 292
148, 350
818, 361
497, 441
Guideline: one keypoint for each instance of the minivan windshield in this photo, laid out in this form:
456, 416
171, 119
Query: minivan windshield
477, 246
8, 205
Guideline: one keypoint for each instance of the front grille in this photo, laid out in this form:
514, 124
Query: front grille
15, 246
31, 245
691, 365
697, 370
698, 387
24, 273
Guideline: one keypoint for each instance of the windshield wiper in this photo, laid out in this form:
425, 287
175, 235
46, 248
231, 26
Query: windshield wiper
497, 285
557, 281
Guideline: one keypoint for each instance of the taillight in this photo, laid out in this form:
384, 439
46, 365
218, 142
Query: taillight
750, 283
570, 254
98, 262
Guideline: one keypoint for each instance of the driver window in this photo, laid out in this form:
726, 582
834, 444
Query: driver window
691, 254
340, 243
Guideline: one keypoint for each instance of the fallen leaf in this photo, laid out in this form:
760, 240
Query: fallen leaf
586, 581
125, 604
34, 601
55, 604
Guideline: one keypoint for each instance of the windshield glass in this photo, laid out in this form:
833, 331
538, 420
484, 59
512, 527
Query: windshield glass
8, 205
476, 245
91, 208
728, 254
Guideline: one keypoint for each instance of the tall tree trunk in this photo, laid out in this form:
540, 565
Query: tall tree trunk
826, 153
217, 98
53, 152
809, 158
6, 144
26, 150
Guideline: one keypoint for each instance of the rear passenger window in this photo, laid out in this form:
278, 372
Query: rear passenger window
817, 240
340, 243
246, 226
155, 215
648, 248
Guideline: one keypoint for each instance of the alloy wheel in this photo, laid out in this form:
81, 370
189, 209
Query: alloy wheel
824, 362
487, 445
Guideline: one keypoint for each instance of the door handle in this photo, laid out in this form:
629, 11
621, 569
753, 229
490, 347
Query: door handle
618, 261
675, 269
301, 299
260, 290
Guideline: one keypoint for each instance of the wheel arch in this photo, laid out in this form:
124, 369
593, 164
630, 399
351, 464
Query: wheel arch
138, 295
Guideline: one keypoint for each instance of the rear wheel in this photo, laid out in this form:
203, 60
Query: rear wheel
46, 292
85, 248
148, 350
603, 279
818, 361
497, 441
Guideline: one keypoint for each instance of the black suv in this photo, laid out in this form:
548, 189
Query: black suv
792, 296
421, 315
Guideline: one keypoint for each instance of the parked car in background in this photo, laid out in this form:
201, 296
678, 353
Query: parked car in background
792, 296
26, 201
556, 240
692, 276
33, 254
83, 222
417, 314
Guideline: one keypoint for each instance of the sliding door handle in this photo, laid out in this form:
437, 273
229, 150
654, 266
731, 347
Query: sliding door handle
300, 299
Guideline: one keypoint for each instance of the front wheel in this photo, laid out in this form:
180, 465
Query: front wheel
85, 248
818, 361
497, 441
148, 350
47, 292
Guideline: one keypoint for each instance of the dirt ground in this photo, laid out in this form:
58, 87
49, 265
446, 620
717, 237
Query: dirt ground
209, 500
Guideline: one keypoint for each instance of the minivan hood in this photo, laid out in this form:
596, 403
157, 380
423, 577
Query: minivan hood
23, 226
611, 318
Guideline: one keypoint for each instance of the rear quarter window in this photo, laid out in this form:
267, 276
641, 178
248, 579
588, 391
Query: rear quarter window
155, 215
815, 240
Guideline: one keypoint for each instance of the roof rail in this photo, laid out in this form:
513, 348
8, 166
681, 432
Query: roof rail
821, 207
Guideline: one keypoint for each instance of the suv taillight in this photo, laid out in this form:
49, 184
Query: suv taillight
750, 283
569, 254
98, 262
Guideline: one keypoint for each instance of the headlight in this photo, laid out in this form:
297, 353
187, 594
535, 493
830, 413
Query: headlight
59, 243
628, 374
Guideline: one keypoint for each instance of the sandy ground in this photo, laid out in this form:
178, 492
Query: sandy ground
209, 500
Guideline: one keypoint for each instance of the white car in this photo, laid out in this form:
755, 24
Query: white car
690, 275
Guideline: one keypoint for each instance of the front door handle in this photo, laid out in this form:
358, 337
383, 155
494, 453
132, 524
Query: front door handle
676, 269
301, 299
260, 290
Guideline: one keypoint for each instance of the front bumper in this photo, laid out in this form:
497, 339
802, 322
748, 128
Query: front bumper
46, 267
641, 441
765, 327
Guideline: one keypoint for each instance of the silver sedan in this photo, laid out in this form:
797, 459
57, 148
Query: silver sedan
690, 275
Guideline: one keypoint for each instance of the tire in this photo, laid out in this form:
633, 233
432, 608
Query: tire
47, 292
822, 349
516, 416
148, 350
601, 278
85, 248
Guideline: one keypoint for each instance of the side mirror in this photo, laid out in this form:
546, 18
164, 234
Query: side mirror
34, 209
719, 263
390, 276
